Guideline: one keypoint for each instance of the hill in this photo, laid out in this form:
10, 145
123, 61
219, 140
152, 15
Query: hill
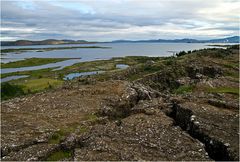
234, 39
42, 42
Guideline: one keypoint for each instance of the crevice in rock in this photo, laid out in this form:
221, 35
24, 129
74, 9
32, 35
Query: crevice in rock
117, 109
184, 118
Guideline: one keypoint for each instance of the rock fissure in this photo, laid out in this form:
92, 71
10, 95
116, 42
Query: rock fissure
216, 149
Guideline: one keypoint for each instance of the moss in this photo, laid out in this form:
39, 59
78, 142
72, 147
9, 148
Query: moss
229, 90
59, 155
183, 89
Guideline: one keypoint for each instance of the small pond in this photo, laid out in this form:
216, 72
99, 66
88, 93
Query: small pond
75, 75
122, 66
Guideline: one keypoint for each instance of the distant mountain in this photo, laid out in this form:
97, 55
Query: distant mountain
234, 39
42, 42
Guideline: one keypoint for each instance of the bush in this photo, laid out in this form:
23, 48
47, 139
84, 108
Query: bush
9, 91
181, 53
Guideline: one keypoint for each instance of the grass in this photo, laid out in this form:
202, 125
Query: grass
10, 90
37, 85
91, 117
231, 65
104, 65
33, 74
31, 62
229, 90
231, 74
59, 155
56, 138
183, 89
83, 129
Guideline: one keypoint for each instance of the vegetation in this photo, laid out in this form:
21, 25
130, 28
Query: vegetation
31, 62
37, 85
59, 155
83, 129
91, 117
10, 90
57, 137
43, 79
184, 89
229, 90
181, 53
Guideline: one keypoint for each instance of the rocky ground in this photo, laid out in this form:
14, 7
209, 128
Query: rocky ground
187, 110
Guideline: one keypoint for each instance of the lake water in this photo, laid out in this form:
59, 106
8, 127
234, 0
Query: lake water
13, 78
75, 75
122, 66
91, 54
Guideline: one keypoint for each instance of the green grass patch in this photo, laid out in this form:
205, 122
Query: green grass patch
37, 85
56, 138
59, 155
10, 90
231, 74
91, 117
184, 89
83, 129
231, 65
229, 90
31, 62
34, 73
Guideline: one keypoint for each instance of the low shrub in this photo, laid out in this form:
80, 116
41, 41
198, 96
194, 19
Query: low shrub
10, 90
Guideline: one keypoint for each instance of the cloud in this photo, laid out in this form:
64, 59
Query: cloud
103, 20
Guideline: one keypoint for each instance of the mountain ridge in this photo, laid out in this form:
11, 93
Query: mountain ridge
233, 39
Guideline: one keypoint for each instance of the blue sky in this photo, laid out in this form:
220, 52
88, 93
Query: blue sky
105, 20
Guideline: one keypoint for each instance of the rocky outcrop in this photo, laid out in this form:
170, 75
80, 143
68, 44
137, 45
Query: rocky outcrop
122, 107
216, 129
140, 137
119, 120
32, 153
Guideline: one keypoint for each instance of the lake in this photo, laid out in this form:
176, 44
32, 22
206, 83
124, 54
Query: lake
91, 54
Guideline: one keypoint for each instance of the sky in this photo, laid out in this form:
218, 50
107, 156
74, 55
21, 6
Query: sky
106, 20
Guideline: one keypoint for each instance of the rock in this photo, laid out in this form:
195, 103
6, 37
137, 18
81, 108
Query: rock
36, 152
214, 129
139, 137
223, 104
149, 62
69, 142
184, 81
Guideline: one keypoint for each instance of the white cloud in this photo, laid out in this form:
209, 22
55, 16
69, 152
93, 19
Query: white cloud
119, 19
